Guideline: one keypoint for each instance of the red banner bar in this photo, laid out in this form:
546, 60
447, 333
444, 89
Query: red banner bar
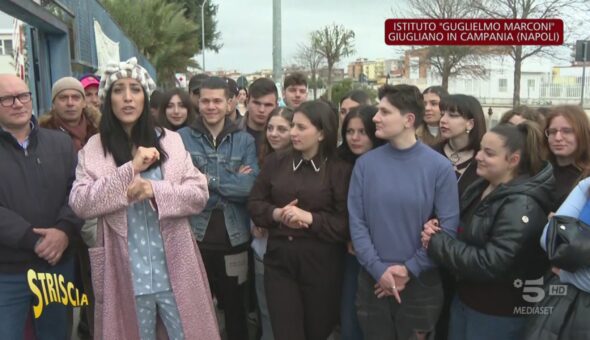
474, 32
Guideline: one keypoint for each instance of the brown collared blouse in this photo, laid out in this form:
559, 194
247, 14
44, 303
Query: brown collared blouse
321, 188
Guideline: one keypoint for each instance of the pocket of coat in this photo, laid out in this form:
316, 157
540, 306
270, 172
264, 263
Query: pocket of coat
97, 259
232, 165
199, 161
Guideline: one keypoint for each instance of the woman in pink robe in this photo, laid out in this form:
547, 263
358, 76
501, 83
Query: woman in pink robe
109, 181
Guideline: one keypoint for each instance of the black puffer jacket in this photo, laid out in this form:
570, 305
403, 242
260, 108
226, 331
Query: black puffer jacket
501, 241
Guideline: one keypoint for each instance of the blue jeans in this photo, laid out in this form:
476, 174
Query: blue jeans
349, 323
17, 299
469, 324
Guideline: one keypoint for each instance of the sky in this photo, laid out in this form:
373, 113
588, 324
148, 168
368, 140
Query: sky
246, 30
5, 21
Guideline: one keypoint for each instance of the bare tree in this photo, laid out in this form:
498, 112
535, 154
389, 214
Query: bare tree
452, 61
528, 9
310, 58
448, 61
333, 42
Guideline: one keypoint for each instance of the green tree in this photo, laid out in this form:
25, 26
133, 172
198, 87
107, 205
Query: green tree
340, 89
318, 83
333, 42
193, 13
161, 32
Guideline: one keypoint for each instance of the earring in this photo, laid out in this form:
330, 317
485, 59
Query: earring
467, 131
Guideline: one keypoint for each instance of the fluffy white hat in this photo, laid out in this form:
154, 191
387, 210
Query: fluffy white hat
125, 69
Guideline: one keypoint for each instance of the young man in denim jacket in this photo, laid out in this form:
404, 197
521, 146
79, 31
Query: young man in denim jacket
227, 156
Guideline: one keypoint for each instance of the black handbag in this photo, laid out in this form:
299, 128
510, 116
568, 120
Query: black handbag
568, 243
559, 317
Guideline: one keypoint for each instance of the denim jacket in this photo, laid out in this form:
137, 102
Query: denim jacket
220, 160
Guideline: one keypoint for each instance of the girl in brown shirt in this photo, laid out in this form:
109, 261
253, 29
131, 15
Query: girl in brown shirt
300, 196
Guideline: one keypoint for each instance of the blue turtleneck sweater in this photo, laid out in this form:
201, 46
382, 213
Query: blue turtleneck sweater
392, 194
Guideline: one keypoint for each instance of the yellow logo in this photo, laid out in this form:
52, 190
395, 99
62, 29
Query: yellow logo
50, 288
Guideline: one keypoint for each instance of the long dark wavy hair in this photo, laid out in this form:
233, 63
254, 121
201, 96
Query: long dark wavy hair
324, 119
186, 102
366, 114
527, 138
116, 142
264, 146
469, 108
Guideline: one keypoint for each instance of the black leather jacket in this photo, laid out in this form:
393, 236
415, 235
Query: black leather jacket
501, 242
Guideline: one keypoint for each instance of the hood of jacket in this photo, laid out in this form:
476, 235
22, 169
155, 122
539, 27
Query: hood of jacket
229, 127
539, 187
92, 116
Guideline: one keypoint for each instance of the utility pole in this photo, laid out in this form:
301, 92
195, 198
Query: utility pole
203, 32
585, 49
277, 65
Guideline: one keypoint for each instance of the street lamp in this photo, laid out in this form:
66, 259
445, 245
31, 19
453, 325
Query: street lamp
203, 31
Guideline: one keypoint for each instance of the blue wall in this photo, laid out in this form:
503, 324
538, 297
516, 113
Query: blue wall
86, 12
48, 37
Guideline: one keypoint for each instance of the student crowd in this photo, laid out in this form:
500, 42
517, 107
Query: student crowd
408, 219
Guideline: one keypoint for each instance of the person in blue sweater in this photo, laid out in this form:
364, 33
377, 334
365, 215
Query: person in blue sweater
569, 312
394, 190
577, 205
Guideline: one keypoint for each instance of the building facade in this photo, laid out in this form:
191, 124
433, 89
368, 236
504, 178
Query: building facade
64, 38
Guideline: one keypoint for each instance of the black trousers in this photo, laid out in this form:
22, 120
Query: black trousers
228, 289
303, 281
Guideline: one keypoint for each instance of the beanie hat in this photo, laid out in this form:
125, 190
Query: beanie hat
66, 83
125, 69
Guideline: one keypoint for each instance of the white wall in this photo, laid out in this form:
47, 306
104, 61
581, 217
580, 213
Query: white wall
487, 88
6, 61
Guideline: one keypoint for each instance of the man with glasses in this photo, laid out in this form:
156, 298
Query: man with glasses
36, 223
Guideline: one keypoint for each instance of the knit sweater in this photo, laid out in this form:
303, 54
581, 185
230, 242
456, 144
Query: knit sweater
392, 194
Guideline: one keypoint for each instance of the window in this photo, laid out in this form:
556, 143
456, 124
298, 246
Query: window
6, 47
66, 15
531, 84
503, 85
468, 85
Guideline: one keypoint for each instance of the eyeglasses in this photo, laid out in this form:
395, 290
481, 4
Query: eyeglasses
564, 132
8, 101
